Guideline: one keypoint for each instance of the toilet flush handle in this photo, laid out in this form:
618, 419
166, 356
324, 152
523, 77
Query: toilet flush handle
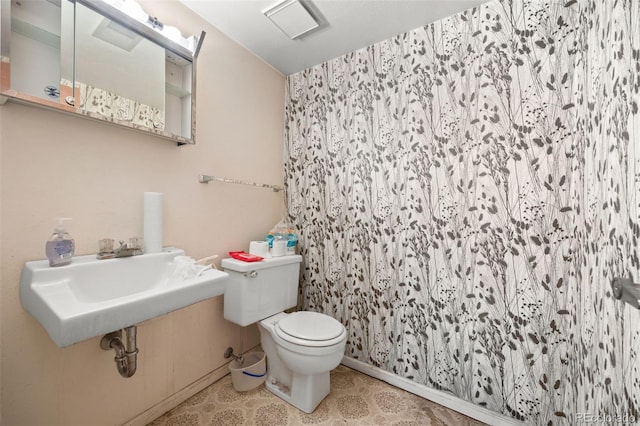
251, 274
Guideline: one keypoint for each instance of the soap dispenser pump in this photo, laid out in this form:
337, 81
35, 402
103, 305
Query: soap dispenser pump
60, 247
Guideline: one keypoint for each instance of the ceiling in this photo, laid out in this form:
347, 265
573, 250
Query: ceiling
346, 25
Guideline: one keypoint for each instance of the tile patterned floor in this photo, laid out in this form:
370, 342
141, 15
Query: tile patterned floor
355, 399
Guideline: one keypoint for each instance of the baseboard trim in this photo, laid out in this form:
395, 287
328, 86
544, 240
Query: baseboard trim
439, 397
177, 398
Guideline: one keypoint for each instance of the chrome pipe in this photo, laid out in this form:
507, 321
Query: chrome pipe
126, 358
131, 350
229, 354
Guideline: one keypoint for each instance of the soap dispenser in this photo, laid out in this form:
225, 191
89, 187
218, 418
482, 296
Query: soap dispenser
60, 247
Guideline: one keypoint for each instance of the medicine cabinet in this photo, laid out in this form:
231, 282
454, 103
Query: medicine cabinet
102, 59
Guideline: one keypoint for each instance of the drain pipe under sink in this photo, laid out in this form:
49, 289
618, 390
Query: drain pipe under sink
126, 353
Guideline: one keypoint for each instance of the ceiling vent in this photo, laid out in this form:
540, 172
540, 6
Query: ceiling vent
293, 18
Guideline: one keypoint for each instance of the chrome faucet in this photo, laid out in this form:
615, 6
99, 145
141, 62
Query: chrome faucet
133, 248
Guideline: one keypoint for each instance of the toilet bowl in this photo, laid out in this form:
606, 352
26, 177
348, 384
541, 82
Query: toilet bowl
301, 348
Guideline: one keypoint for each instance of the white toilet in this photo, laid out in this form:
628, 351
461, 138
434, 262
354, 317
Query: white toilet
301, 347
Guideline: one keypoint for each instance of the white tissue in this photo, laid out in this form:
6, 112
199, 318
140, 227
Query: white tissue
183, 268
279, 248
152, 225
259, 248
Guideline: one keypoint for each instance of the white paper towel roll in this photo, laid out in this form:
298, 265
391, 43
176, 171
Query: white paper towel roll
152, 225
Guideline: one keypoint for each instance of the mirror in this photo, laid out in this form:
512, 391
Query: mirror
125, 82
102, 59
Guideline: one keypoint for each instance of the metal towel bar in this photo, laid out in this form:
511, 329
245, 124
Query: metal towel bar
208, 178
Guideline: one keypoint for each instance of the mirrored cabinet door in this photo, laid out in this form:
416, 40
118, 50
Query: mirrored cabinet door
93, 59
125, 81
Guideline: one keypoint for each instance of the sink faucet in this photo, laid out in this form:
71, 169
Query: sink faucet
133, 248
127, 250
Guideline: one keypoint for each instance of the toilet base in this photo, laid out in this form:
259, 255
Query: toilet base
306, 393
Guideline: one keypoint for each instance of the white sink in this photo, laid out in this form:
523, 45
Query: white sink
92, 297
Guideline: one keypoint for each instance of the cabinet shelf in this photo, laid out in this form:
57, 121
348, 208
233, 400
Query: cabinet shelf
176, 91
35, 33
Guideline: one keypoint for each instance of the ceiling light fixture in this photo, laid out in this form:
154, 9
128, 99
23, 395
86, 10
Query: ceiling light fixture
134, 10
293, 18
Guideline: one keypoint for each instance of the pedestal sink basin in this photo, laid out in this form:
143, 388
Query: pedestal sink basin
92, 297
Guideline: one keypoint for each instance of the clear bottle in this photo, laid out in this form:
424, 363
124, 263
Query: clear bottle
60, 247
283, 231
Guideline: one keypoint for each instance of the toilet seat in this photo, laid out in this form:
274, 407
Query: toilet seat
310, 329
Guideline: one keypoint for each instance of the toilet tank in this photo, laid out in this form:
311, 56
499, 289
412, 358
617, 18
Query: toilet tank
258, 290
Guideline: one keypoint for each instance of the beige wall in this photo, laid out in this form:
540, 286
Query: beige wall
58, 165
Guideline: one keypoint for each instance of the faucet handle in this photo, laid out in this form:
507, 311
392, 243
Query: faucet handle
105, 245
135, 243
105, 248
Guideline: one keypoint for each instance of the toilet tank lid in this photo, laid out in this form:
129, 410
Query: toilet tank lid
240, 266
